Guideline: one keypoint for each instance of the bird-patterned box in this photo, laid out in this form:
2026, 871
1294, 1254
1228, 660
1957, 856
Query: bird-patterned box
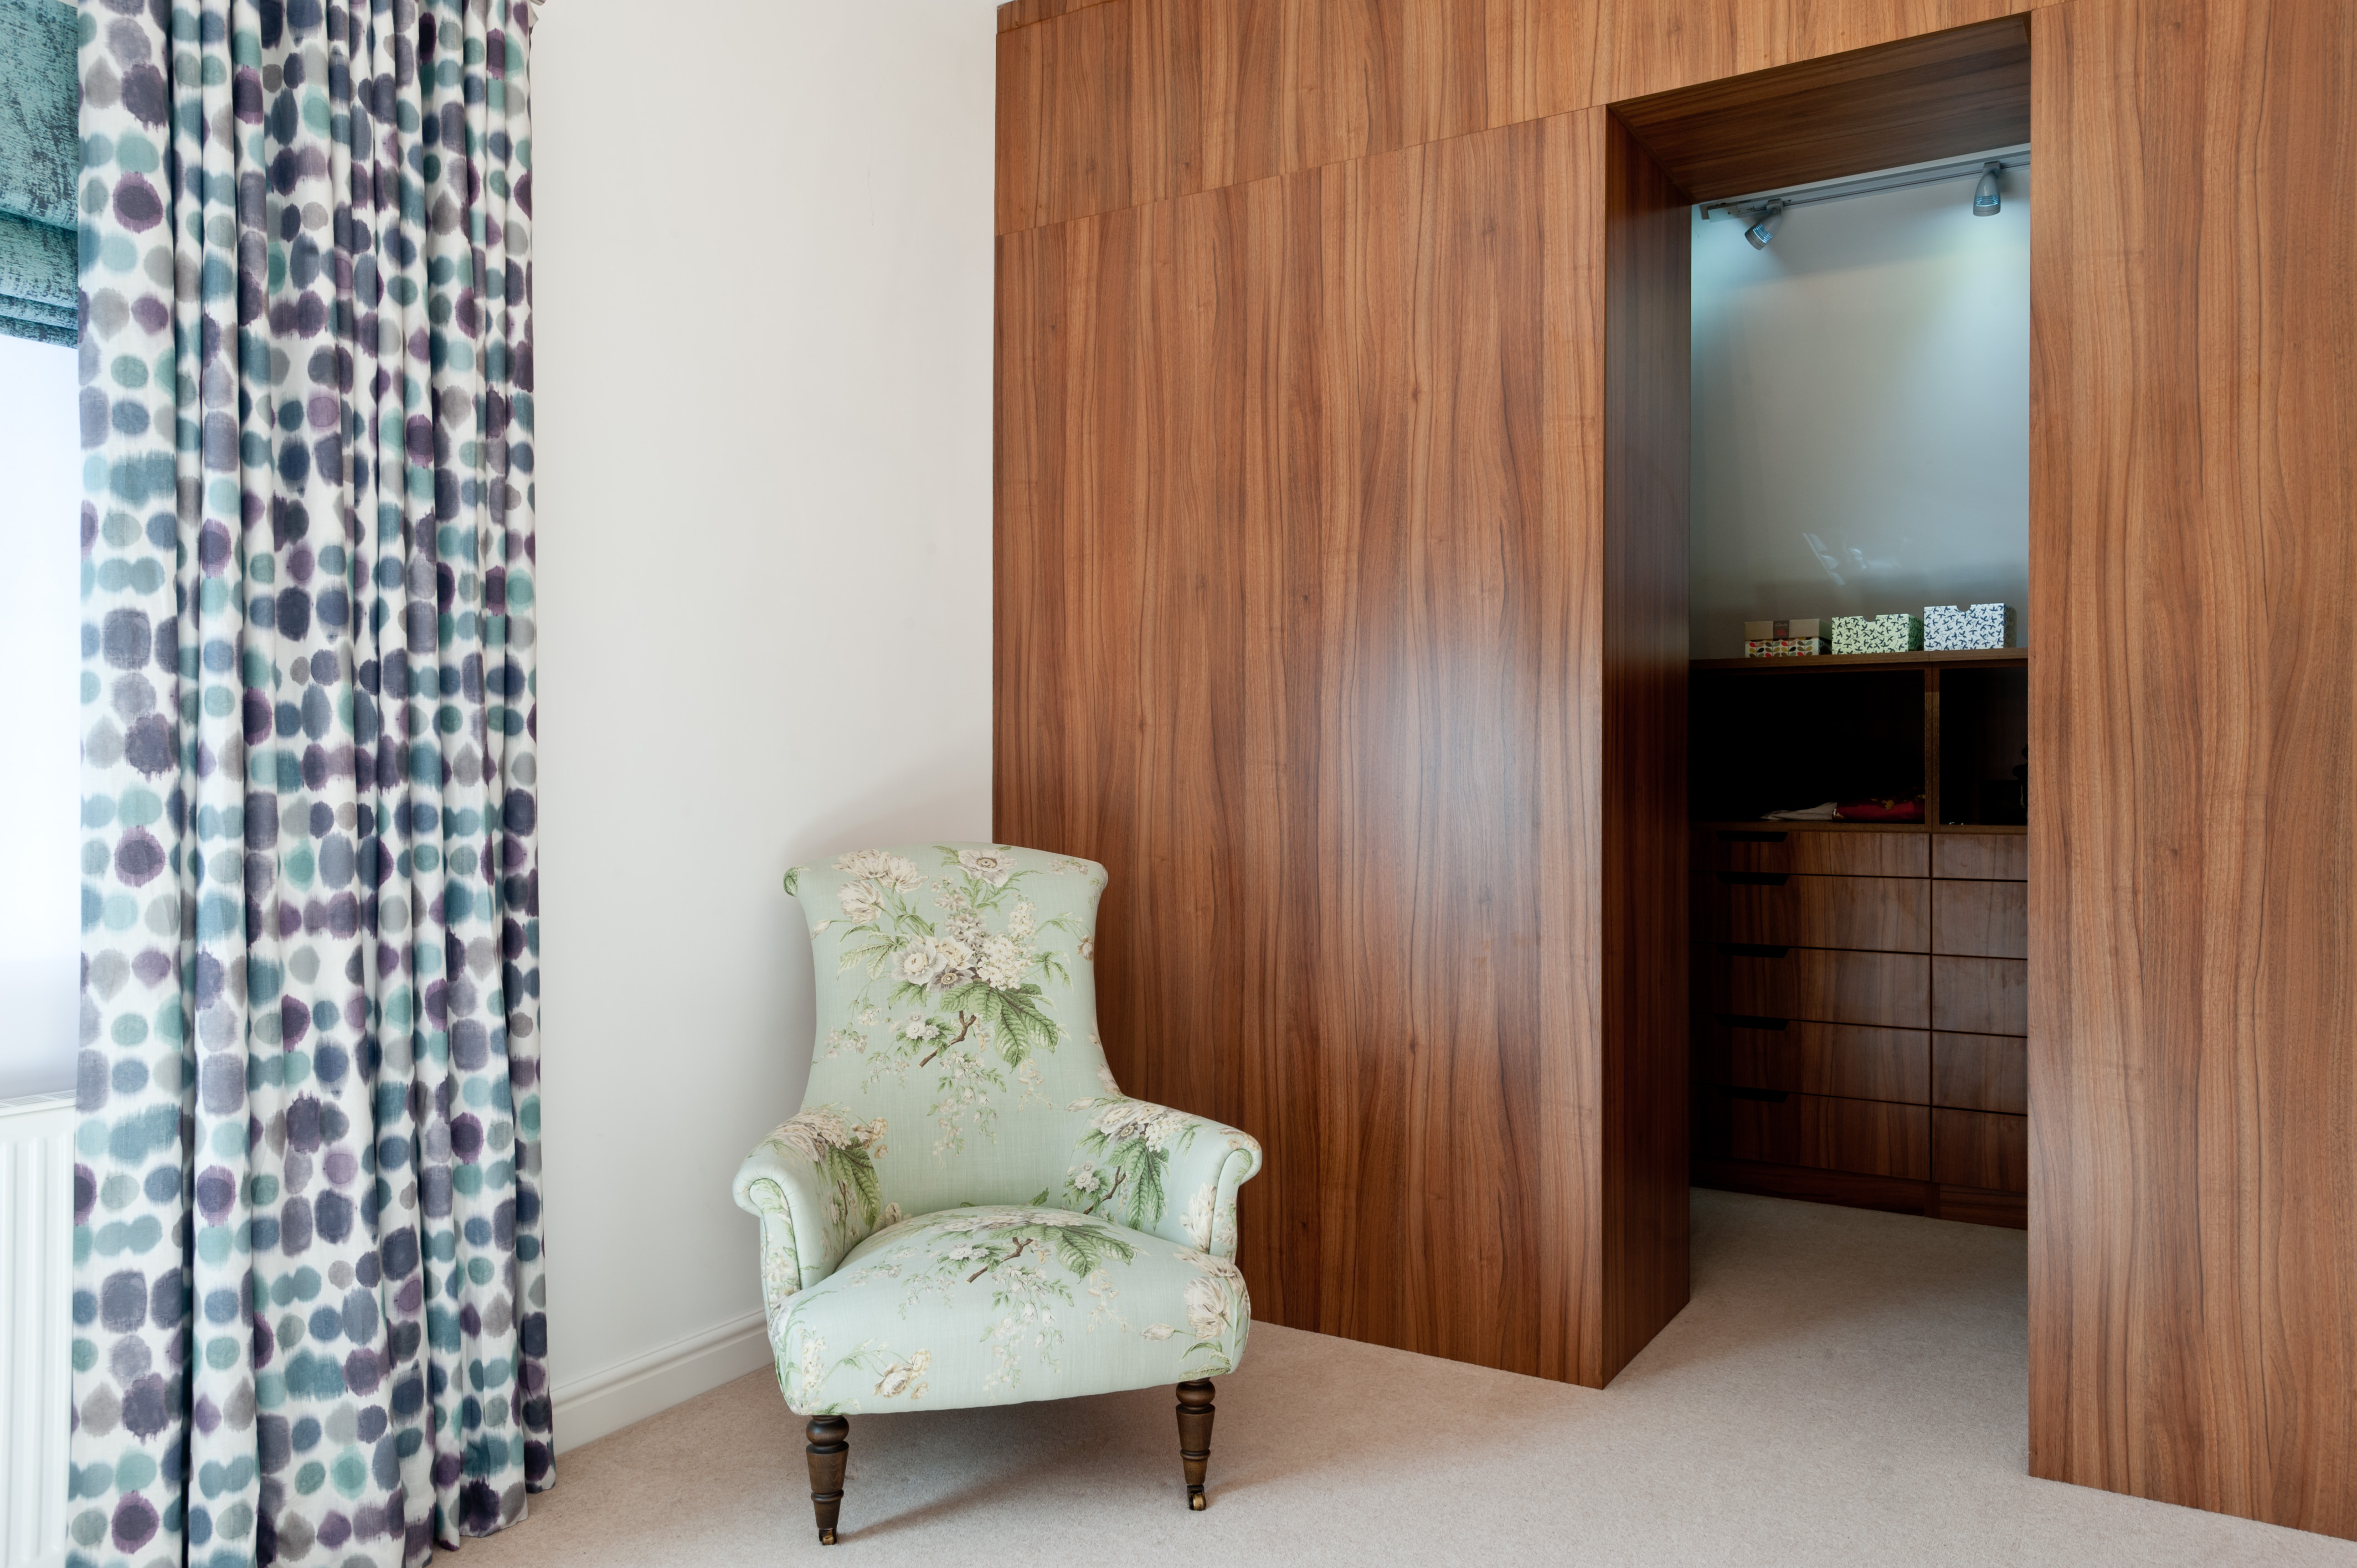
1895, 633
1949, 628
1782, 647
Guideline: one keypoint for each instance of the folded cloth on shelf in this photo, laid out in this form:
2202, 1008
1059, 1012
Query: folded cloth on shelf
1824, 814
1889, 809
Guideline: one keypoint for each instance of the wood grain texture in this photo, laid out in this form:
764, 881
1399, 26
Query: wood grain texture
1813, 851
1975, 1149
1914, 101
1319, 625
1890, 990
1980, 995
1827, 1058
1121, 103
2193, 1245
1889, 913
1866, 1137
1981, 1072
1990, 919
1642, 744
1016, 14
2003, 857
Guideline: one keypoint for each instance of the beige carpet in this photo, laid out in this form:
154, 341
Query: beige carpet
1845, 1388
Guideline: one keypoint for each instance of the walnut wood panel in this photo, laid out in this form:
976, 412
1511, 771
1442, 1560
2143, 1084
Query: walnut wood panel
1909, 101
1868, 1136
1896, 1194
1980, 995
2194, 1252
1981, 1072
1827, 1058
1648, 316
2002, 857
1016, 14
1121, 103
1813, 852
1975, 1148
1990, 919
1891, 990
1889, 913
1329, 446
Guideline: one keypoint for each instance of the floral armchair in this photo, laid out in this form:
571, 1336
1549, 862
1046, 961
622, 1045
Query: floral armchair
968, 1211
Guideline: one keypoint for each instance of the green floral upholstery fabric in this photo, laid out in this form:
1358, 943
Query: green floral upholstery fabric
968, 1210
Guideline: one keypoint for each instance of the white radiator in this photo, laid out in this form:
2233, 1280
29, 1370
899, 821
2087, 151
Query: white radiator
36, 1325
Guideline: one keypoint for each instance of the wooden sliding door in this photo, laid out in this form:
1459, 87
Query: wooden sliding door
1315, 627
2193, 904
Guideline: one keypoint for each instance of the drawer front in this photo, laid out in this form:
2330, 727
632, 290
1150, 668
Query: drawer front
1802, 851
1891, 990
1985, 919
1842, 1059
1980, 1072
1973, 1148
1994, 857
1889, 914
1862, 1136
1980, 995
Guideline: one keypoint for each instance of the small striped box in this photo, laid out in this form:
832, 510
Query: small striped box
1782, 647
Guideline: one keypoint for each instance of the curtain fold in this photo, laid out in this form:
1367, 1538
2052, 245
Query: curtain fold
38, 156
309, 1304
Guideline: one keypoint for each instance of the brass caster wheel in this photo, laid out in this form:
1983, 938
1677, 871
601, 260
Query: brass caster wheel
1196, 1501
826, 1538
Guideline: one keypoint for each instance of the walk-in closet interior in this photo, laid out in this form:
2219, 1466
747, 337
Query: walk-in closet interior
1391, 454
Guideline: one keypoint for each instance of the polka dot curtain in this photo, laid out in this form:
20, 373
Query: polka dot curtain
309, 1306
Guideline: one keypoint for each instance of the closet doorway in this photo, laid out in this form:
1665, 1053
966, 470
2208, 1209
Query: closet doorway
1849, 239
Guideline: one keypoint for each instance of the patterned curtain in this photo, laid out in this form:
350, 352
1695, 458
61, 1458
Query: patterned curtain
309, 1290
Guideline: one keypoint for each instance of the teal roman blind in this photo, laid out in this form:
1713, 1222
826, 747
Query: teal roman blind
40, 152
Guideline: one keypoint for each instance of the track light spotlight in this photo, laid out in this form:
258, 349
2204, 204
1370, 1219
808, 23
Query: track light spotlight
1764, 228
1986, 199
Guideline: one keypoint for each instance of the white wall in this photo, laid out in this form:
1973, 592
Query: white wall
40, 740
1861, 412
763, 335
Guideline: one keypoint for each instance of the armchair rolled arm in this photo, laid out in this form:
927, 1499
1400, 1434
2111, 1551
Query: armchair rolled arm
813, 1182
1162, 1171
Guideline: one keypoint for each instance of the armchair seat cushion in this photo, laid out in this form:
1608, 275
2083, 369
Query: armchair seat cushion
999, 1305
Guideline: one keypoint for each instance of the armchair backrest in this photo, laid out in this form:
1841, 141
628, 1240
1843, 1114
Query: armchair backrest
957, 1027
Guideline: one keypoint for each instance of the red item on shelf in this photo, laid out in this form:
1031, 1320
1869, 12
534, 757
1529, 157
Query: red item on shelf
1887, 810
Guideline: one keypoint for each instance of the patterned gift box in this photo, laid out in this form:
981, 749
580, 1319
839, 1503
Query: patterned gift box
1779, 630
1949, 628
1782, 647
1897, 633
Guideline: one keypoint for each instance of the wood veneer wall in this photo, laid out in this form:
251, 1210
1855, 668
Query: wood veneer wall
2193, 1086
1305, 625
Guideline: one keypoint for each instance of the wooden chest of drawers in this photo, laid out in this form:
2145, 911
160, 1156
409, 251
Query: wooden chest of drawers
1860, 1008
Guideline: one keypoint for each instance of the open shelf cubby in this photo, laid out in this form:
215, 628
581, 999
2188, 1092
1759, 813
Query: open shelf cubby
1769, 735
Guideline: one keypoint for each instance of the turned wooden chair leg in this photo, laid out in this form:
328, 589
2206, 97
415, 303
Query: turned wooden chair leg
830, 1442
1195, 1413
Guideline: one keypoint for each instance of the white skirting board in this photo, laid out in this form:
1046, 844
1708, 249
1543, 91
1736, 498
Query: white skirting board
35, 1332
589, 1407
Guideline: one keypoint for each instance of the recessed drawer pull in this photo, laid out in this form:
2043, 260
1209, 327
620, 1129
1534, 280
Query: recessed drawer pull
1753, 878
1727, 836
1766, 1096
1752, 949
1748, 1021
